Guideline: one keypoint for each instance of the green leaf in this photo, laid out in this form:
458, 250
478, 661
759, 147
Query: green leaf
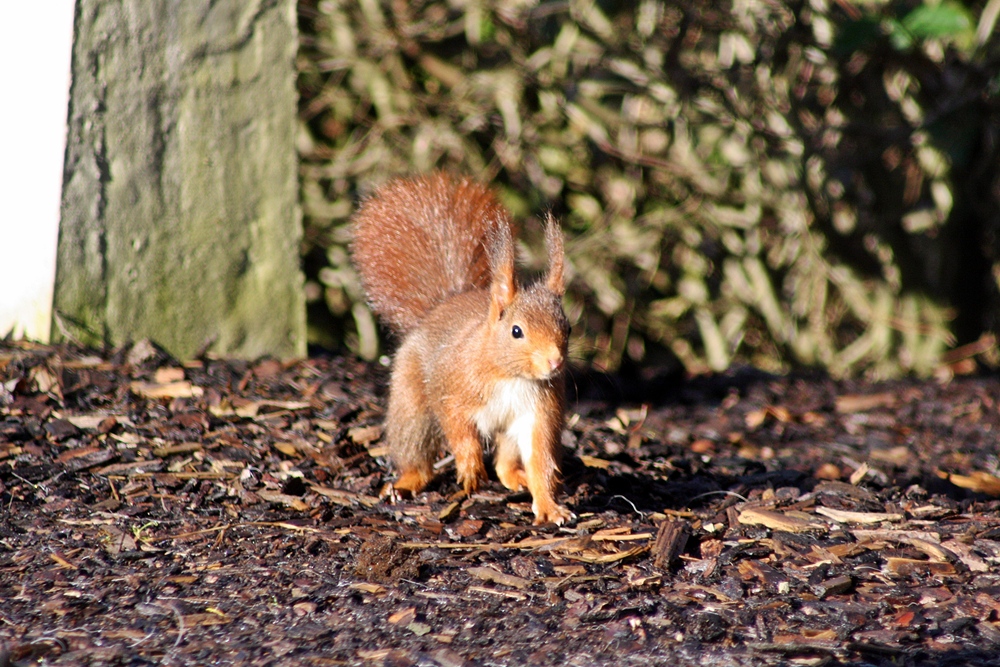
900, 38
488, 29
948, 19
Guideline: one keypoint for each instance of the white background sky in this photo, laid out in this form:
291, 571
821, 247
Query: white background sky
35, 46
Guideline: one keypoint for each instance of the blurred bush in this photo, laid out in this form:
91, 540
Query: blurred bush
757, 181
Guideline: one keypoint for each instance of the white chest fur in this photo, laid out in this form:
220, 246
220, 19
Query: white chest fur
511, 411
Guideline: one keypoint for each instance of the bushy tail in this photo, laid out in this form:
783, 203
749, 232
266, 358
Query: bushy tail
419, 241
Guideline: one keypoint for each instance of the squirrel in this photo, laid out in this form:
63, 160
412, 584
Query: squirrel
482, 359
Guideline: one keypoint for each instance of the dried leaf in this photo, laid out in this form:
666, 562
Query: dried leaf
116, 540
419, 629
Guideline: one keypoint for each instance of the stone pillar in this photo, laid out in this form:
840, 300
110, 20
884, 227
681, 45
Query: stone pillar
180, 218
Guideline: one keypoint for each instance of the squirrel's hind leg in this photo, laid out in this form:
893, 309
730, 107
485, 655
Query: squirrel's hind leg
510, 469
463, 441
412, 434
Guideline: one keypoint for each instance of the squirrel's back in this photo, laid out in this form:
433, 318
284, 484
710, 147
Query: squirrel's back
419, 241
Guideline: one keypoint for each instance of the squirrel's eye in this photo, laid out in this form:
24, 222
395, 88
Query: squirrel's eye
516, 332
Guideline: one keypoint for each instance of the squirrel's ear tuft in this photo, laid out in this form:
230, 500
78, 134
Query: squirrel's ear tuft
500, 247
554, 243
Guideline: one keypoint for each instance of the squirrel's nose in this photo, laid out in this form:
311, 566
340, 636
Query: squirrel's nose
555, 363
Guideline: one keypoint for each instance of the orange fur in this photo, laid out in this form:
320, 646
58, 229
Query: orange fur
482, 358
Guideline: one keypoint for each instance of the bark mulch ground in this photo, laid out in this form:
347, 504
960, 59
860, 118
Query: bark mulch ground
231, 513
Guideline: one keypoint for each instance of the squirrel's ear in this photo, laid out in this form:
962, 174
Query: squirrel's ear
554, 243
500, 246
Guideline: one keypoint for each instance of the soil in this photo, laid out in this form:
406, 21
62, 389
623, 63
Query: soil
233, 513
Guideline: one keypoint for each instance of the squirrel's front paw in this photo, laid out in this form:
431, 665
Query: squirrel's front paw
553, 513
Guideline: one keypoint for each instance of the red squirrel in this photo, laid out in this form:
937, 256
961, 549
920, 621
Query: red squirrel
483, 358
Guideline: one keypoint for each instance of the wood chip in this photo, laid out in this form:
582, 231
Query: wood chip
964, 552
832, 586
364, 435
776, 521
205, 619
287, 500
863, 402
173, 477
977, 481
45, 380
590, 556
844, 516
933, 551
900, 455
342, 497
903, 536
403, 616
620, 534
366, 587
483, 546
844, 490
168, 374
820, 635
86, 422
285, 405
131, 468
671, 540
375, 655
859, 474
752, 569
594, 462
514, 595
497, 577
179, 448
910, 566
62, 562
449, 511
446, 657
756, 418
182, 389
85, 457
